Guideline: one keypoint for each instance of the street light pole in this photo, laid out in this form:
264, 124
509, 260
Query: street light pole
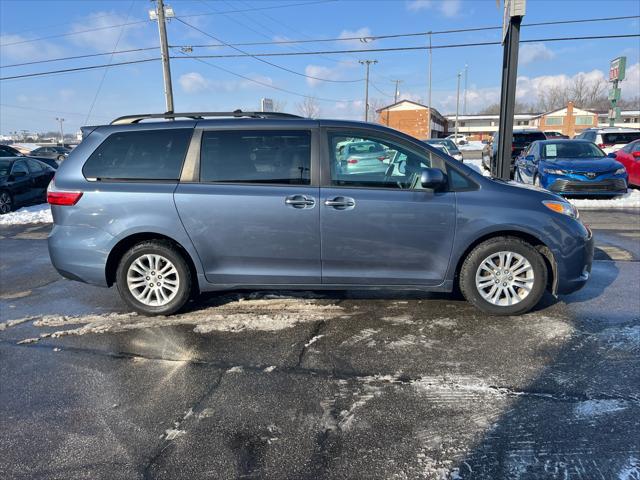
367, 63
457, 106
60, 120
429, 93
164, 52
396, 94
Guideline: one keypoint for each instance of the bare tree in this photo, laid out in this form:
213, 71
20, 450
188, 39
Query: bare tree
279, 105
309, 107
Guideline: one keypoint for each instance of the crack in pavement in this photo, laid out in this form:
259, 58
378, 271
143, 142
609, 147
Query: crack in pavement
335, 374
169, 437
310, 339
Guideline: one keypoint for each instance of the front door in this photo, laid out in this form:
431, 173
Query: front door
21, 184
378, 225
254, 215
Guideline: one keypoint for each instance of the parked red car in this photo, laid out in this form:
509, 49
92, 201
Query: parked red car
629, 156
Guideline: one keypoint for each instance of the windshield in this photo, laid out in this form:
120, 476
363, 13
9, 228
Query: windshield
365, 147
620, 137
445, 142
570, 149
5, 166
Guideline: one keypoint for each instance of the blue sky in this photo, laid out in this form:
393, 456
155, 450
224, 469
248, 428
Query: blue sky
34, 103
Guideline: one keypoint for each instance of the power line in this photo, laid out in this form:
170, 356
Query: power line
264, 84
247, 54
79, 69
318, 40
329, 52
145, 21
21, 107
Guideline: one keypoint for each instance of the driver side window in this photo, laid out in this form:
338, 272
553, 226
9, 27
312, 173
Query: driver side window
364, 161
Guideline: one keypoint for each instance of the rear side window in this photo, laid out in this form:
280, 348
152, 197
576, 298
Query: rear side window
528, 137
620, 137
35, 167
140, 155
269, 157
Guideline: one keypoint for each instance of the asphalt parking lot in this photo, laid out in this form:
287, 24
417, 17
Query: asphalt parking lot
320, 385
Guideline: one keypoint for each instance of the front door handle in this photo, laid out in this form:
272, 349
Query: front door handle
299, 201
340, 203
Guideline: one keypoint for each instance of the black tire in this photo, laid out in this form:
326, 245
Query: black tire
495, 245
171, 253
6, 202
60, 158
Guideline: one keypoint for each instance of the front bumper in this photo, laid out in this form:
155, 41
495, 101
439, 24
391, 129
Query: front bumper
573, 186
574, 268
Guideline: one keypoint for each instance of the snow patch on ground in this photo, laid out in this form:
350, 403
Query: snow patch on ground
596, 408
625, 338
313, 340
477, 166
631, 470
630, 200
34, 214
235, 316
13, 323
473, 145
173, 433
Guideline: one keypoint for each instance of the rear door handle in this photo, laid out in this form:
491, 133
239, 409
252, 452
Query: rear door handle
299, 201
340, 203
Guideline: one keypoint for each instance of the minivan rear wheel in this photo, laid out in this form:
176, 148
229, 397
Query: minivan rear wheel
153, 278
504, 276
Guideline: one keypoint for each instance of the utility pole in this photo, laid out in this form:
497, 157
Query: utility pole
464, 101
396, 94
367, 63
513, 12
60, 120
455, 139
429, 93
160, 14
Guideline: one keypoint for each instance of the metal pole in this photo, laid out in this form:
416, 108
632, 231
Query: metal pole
464, 101
396, 94
367, 63
457, 107
502, 167
60, 120
429, 94
164, 51
612, 119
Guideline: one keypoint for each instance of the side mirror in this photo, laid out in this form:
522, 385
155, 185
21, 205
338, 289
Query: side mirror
432, 178
530, 158
611, 155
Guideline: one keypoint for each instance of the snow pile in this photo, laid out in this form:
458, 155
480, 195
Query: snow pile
477, 166
630, 200
473, 145
235, 316
34, 214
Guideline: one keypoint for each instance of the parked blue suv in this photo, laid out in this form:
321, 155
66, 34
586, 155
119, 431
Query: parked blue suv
571, 167
219, 201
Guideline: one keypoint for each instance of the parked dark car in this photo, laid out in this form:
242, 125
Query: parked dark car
555, 135
7, 151
56, 153
571, 167
168, 209
521, 140
23, 181
449, 145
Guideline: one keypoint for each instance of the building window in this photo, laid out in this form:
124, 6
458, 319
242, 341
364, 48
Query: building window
553, 121
584, 120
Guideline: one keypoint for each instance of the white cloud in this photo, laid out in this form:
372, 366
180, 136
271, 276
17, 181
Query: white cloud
104, 39
193, 82
534, 52
448, 8
360, 37
12, 49
329, 73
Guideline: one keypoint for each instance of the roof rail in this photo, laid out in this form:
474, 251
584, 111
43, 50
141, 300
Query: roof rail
128, 119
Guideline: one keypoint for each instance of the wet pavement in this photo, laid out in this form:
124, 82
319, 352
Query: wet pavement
344, 385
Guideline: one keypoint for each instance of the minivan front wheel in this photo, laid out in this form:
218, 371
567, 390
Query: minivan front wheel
504, 276
153, 278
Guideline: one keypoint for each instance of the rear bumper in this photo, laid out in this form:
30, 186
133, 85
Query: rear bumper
80, 253
574, 269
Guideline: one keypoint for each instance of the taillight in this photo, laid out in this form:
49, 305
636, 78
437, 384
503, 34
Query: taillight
382, 159
636, 154
352, 161
63, 198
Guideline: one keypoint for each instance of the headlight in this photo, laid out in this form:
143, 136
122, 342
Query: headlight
620, 171
564, 208
554, 171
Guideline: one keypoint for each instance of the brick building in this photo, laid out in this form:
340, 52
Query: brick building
413, 119
569, 120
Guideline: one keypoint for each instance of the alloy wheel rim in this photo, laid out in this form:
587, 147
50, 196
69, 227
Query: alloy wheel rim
5, 203
505, 278
153, 280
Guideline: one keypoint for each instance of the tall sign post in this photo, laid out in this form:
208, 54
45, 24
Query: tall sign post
513, 12
616, 75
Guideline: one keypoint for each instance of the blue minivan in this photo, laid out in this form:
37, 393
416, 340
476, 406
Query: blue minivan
168, 205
